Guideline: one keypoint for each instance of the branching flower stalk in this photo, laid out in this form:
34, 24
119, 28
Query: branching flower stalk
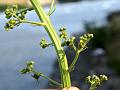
81, 47
58, 41
36, 75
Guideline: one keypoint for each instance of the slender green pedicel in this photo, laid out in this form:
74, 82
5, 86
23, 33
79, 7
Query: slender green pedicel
65, 77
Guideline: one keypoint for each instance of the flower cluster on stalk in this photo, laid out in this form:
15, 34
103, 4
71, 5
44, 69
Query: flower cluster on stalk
12, 13
96, 81
44, 44
30, 69
84, 40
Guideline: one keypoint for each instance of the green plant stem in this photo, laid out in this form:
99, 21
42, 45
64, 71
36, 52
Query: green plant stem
74, 47
74, 60
63, 64
78, 51
34, 23
52, 8
51, 80
46, 77
30, 22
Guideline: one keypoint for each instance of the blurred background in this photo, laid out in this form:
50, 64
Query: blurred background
100, 17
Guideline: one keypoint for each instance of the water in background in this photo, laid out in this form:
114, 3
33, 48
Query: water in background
22, 44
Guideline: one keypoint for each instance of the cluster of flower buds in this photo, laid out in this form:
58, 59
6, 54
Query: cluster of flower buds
29, 67
15, 16
84, 40
95, 80
21, 15
69, 42
63, 34
36, 75
44, 43
10, 11
103, 78
10, 24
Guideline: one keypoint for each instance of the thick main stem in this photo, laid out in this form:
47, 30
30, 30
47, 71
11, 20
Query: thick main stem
63, 64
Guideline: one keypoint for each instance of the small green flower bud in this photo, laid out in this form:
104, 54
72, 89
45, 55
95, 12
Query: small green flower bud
81, 38
82, 43
12, 26
70, 41
103, 77
90, 35
30, 64
88, 79
22, 15
25, 71
94, 77
84, 40
8, 13
62, 29
36, 76
43, 43
12, 22
63, 33
15, 8
29, 67
6, 27
11, 10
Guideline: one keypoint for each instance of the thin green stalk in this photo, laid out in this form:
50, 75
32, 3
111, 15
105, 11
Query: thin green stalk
63, 64
52, 8
24, 10
30, 22
51, 80
74, 47
46, 77
78, 51
34, 23
74, 60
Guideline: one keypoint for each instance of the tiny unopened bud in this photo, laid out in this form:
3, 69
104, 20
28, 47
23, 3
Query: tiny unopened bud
103, 77
36, 76
88, 79
30, 64
25, 71
62, 29
84, 40
70, 41
44, 43
15, 7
